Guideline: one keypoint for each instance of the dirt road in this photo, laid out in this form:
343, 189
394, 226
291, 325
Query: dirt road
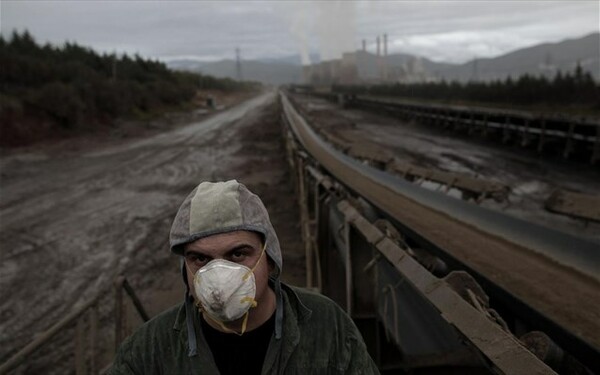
69, 223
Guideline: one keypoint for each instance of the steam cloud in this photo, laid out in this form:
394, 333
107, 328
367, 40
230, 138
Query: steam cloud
331, 23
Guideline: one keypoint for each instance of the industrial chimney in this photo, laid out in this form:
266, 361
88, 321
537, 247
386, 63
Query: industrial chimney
378, 46
385, 45
384, 59
364, 45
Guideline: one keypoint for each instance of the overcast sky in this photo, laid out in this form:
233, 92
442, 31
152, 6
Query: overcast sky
452, 31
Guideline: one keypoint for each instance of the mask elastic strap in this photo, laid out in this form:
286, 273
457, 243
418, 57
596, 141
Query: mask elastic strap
245, 323
227, 329
247, 275
252, 301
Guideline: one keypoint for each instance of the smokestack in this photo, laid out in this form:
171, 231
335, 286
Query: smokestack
384, 62
384, 44
364, 44
378, 46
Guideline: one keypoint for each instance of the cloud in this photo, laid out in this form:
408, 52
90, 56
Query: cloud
457, 31
299, 20
336, 28
459, 46
442, 30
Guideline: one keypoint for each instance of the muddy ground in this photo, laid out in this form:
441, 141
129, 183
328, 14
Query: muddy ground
76, 214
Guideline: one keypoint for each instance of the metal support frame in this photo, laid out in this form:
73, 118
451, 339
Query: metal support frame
332, 248
565, 132
502, 349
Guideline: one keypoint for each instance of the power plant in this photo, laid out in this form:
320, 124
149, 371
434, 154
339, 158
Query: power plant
364, 67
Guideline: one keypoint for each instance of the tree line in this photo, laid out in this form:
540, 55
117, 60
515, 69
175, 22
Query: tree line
69, 84
571, 89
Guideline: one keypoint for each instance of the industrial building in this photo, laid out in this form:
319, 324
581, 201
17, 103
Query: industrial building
365, 67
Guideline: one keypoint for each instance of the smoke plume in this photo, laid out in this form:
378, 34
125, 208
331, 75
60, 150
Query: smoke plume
329, 24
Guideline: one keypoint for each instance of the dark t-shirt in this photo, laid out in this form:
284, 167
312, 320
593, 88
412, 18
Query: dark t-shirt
243, 354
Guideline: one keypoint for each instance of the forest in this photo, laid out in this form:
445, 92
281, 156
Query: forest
70, 87
565, 91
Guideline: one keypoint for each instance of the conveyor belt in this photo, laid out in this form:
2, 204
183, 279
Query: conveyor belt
460, 232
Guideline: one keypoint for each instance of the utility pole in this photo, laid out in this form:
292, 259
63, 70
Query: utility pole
238, 64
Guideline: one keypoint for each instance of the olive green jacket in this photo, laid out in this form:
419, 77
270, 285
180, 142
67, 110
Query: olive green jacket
318, 338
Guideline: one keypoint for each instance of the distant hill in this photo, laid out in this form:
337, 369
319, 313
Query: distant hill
544, 59
292, 59
400, 66
273, 72
428, 65
541, 60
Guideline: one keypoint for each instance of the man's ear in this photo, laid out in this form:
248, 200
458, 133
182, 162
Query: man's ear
270, 264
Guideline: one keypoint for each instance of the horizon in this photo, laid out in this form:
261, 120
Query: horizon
442, 31
262, 59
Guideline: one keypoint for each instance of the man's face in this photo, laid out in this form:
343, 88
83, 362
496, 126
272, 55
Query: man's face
243, 247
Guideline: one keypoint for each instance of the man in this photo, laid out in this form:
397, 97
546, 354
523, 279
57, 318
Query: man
238, 318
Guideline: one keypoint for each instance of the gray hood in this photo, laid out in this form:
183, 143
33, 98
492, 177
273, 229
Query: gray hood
219, 207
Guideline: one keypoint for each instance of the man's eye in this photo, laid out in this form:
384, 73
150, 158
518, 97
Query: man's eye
238, 255
197, 258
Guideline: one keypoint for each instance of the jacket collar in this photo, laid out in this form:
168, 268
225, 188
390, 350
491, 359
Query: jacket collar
203, 357
180, 319
293, 301
295, 313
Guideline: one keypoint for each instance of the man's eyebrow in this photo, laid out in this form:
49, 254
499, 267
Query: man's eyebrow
233, 249
196, 252
239, 247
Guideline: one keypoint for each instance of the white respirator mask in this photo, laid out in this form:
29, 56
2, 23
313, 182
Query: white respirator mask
226, 291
